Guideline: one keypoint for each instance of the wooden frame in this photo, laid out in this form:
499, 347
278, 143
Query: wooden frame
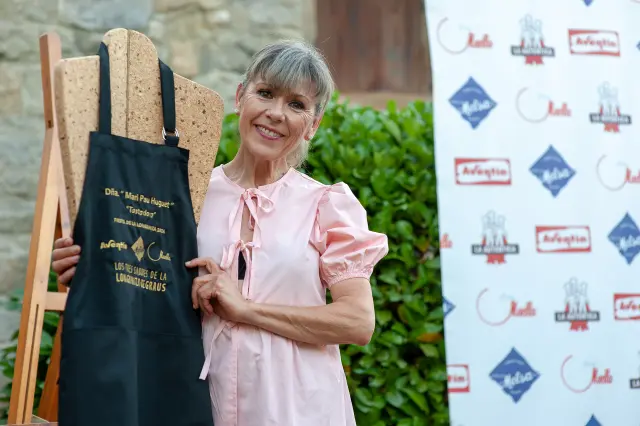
51, 220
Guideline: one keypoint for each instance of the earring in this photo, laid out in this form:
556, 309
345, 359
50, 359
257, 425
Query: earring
236, 110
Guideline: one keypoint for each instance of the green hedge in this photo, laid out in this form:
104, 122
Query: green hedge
387, 158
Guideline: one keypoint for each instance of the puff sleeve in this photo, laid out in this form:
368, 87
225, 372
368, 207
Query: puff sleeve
348, 249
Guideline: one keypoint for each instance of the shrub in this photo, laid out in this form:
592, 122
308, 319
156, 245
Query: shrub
387, 158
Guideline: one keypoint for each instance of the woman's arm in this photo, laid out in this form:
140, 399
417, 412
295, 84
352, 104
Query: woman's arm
350, 319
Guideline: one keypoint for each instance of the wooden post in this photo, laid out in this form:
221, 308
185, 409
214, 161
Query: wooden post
51, 220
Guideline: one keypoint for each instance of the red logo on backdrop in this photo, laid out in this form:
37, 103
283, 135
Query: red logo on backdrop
577, 310
456, 39
536, 107
458, 380
615, 175
609, 112
626, 306
483, 171
495, 244
563, 239
445, 242
578, 376
499, 312
532, 44
594, 42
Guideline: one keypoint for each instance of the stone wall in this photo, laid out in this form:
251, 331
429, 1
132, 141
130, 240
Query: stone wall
208, 41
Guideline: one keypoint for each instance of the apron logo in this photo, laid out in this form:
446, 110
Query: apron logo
138, 248
161, 256
112, 244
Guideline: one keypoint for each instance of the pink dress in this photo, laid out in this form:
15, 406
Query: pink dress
307, 236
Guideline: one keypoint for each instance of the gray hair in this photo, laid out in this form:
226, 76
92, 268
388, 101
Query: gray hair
291, 64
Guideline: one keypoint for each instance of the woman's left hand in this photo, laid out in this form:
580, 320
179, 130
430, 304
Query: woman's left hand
227, 302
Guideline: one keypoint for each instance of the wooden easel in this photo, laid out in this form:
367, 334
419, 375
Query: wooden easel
51, 220
73, 108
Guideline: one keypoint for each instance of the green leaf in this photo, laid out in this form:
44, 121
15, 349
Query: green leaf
429, 351
417, 398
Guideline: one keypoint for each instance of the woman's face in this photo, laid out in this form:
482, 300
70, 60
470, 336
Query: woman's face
273, 121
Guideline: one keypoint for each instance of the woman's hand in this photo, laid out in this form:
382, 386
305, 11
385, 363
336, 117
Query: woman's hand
215, 292
64, 259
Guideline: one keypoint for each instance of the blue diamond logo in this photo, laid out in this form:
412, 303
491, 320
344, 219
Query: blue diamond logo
593, 422
626, 237
588, 2
552, 171
472, 102
447, 307
514, 375
638, 46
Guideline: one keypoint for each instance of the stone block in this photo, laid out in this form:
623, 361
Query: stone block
9, 322
226, 54
268, 12
14, 254
219, 17
223, 82
163, 6
184, 58
104, 15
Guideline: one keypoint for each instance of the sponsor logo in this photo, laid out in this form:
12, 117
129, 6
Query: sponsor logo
577, 310
458, 380
447, 307
615, 175
532, 45
588, 3
497, 311
626, 306
609, 113
626, 237
483, 171
495, 244
579, 377
593, 422
472, 102
112, 244
456, 39
445, 242
563, 239
138, 248
514, 375
552, 171
594, 42
536, 107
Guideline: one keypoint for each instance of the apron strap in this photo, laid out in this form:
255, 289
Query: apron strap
104, 114
168, 105
168, 99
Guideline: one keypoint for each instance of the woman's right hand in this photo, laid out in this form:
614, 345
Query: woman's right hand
64, 258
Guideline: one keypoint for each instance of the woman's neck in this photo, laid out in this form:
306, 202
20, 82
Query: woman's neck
248, 172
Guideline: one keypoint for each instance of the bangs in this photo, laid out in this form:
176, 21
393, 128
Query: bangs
292, 68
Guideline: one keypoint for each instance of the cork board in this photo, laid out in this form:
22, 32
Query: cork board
136, 107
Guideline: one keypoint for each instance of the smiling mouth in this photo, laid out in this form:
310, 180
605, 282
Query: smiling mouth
269, 134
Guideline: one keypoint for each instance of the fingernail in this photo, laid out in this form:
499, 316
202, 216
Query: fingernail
188, 262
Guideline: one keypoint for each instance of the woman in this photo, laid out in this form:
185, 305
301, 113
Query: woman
271, 241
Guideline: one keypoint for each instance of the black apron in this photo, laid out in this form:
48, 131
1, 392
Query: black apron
131, 340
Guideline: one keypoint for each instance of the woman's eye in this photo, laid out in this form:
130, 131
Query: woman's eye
297, 105
264, 93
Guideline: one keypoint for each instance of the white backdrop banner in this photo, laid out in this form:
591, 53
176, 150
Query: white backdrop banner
537, 133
